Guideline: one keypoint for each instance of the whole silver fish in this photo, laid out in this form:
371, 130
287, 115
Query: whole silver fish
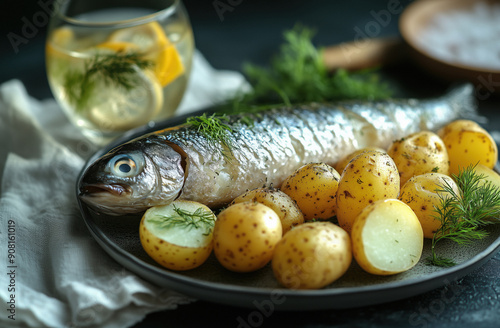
180, 163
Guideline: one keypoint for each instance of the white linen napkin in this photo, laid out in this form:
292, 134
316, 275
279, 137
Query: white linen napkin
53, 273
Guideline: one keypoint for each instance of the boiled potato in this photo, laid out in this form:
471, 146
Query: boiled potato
286, 208
422, 195
459, 125
314, 188
340, 165
370, 176
419, 153
245, 235
488, 175
178, 236
312, 255
387, 238
468, 144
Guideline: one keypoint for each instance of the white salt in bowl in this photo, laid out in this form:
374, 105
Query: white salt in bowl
456, 40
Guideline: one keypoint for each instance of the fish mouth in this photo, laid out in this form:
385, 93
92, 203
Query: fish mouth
109, 199
99, 189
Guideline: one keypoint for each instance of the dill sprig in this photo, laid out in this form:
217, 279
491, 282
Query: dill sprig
112, 69
216, 129
298, 74
464, 215
199, 219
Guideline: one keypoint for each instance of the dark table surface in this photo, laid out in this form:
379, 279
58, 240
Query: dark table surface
251, 31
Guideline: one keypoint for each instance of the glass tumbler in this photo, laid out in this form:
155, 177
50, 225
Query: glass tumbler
114, 65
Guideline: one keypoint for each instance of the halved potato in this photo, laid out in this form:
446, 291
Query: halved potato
178, 236
387, 238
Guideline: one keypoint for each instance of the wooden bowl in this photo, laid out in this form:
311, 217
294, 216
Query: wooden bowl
412, 23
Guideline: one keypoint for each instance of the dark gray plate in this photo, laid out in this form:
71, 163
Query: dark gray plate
119, 237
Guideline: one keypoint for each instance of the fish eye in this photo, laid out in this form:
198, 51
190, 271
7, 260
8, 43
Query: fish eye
125, 166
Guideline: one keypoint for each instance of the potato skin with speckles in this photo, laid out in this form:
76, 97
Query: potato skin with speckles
312, 256
468, 144
368, 177
245, 235
176, 248
286, 208
420, 194
314, 187
419, 153
341, 165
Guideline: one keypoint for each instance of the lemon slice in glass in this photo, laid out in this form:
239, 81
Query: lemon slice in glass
115, 46
168, 65
60, 42
153, 42
147, 37
114, 108
61, 37
57, 51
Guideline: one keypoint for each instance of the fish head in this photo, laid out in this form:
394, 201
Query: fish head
133, 177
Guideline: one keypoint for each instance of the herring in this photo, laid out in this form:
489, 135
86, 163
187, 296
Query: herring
181, 163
